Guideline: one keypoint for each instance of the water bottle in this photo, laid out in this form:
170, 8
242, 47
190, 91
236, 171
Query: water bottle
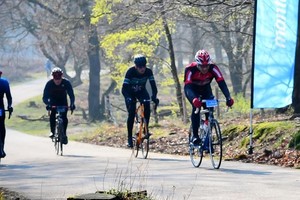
202, 124
205, 127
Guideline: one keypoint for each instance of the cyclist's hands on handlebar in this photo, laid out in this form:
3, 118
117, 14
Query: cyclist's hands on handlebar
48, 107
197, 102
155, 101
72, 108
10, 111
229, 102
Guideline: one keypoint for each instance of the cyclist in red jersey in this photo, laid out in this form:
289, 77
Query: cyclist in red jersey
198, 76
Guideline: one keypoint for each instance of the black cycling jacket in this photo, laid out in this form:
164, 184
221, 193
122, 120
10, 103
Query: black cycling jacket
135, 82
56, 95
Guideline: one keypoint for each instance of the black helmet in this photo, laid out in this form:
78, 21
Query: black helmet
57, 73
140, 60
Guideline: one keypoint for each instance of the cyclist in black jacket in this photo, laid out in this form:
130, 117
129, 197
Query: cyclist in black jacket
197, 79
4, 89
134, 87
55, 94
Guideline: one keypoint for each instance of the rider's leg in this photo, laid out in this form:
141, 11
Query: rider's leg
195, 118
144, 97
131, 106
2, 135
66, 121
52, 122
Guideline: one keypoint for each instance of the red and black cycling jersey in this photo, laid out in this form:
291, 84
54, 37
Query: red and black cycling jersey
134, 82
197, 83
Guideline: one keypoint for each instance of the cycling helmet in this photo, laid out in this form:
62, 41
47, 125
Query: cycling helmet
202, 57
140, 60
57, 73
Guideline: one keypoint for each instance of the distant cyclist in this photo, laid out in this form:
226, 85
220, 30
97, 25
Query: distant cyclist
4, 89
197, 79
55, 94
134, 87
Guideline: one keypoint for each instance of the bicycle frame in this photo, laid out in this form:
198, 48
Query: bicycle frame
59, 129
213, 133
141, 141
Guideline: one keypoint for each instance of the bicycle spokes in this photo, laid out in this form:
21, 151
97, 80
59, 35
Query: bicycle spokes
215, 146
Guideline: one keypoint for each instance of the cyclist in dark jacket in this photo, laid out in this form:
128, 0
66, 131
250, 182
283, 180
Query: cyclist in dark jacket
4, 89
197, 79
55, 94
134, 87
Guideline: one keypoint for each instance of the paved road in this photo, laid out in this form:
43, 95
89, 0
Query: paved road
32, 168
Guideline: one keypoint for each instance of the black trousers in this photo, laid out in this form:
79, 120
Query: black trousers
2, 128
53, 120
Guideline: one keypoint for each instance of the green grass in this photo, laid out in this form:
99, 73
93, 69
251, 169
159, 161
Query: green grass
31, 117
34, 110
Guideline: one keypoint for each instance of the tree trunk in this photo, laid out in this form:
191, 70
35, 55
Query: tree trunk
94, 63
94, 75
173, 66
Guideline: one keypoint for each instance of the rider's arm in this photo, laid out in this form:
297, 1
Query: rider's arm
153, 84
70, 92
126, 84
224, 89
8, 95
46, 95
221, 82
188, 86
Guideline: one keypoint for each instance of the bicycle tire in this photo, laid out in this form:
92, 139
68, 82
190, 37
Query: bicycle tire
59, 138
196, 153
61, 128
56, 144
215, 144
145, 141
136, 145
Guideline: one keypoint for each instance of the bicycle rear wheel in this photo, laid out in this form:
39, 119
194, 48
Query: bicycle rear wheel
196, 153
145, 140
215, 145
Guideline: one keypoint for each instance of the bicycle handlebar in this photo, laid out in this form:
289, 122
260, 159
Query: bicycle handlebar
204, 101
148, 100
54, 107
9, 113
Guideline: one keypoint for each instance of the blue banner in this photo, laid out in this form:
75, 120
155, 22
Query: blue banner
274, 53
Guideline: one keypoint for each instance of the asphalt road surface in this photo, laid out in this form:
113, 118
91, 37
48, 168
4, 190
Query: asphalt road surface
33, 169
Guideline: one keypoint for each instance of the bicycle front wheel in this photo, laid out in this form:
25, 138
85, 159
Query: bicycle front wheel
135, 149
145, 140
196, 153
215, 144
59, 139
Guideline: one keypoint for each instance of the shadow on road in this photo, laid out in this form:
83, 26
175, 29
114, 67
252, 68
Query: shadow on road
77, 156
166, 159
241, 171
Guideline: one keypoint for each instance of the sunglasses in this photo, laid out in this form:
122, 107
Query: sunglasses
203, 66
141, 67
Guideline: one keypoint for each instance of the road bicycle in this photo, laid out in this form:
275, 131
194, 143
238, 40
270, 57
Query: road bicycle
210, 137
59, 134
1, 142
142, 136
